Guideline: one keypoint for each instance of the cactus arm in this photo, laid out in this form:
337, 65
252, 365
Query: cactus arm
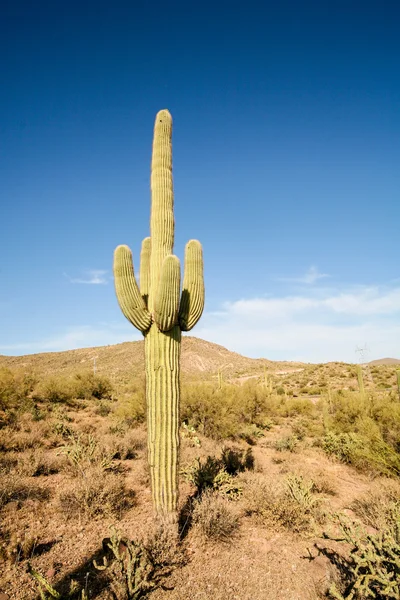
166, 306
162, 200
192, 301
145, 269
128, 294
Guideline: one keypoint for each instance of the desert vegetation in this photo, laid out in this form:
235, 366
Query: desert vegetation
294, 492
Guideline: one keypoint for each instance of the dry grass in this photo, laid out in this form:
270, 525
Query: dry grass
96, 494
380, 506
215, 518
290, 503
14, 488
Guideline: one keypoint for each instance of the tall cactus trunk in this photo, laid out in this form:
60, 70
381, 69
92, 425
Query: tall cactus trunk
160, 311
162, 351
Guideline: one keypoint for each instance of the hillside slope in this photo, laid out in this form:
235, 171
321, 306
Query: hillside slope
385, 361
199, 358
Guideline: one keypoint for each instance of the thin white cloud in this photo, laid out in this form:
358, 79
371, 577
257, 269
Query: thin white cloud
83, 336
311, 327
91, 277
311, 276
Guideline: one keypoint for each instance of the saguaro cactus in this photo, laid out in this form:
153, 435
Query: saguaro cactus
360, 378
161, 312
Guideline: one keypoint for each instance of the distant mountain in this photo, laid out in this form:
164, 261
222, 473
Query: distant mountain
121, 361
385, 361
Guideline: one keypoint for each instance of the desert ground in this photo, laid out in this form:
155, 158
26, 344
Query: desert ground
289, 479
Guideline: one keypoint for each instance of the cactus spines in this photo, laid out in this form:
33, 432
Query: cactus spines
192, 302
129, 297
161, 313
145, 269
168, 294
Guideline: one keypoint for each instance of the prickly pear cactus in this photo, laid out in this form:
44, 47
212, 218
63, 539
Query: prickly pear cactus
160, 311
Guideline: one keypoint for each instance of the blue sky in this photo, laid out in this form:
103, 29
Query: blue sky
286, 152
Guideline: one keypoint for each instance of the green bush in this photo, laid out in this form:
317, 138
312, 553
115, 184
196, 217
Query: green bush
15, 386
89, 385
370, 454
55, 389
232, 412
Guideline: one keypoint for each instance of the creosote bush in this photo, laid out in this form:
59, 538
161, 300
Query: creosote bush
380, 506
16, 386
96, 494
291, 504
214, 517
13, 487
363, 430
234, 412
365, 453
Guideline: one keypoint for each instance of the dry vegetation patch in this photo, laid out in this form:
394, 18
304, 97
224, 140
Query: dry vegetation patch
265, 465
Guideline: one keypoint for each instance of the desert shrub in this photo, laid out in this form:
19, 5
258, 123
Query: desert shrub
89, 385
231, 412
237, 460
62, 429
34, 435
103, 409
289, 443
291, 504
380, 506
84, 451
353, 412
227, 486
211, 412
365, 453
219, 473
14, 488
15, 387
9, 418
37, 463
122, 447
202, 475
131, 408
372, 567
96, 494
297, 406
214, 517
38, 414
7, 463
55, 389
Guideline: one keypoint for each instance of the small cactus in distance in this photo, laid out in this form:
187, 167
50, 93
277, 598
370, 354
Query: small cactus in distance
161, 312
360, 379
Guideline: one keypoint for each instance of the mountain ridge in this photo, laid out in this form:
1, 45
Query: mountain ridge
199, 357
